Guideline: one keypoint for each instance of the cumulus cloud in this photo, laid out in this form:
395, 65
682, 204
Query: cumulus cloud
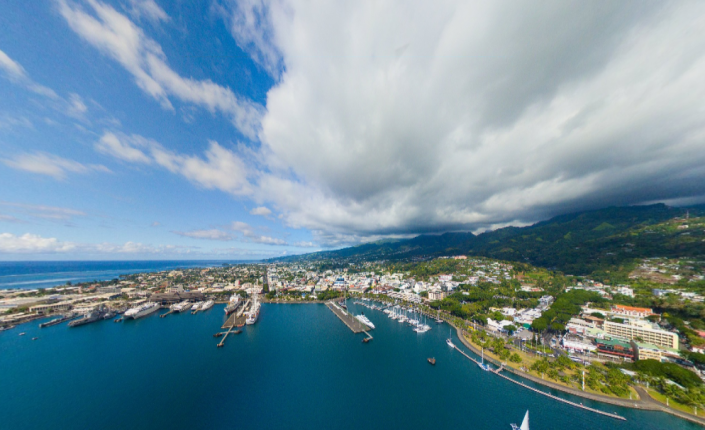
29, 243
115, 35
261, 210
423, 117
50, 165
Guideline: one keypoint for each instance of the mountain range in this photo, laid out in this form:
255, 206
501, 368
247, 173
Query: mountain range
578, 243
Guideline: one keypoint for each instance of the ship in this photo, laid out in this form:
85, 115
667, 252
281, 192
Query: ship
142, 310
58, 320
253, 313
207, 305
363, 319
196, 307
233, 304
94, 315
524, 424
181, 307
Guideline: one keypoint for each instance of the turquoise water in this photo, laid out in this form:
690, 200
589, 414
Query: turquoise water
299, 367
45, 274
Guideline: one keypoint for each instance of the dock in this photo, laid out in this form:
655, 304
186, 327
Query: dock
577, 405
236, 318
353, 323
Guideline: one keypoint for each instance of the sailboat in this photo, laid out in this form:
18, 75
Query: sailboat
524, 424
449, 341
482, 364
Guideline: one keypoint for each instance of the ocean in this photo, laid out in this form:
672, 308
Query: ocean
45, 274
299, 367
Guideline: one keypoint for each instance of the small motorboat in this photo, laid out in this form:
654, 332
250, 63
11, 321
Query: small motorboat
432, 361
35, 338
22, 334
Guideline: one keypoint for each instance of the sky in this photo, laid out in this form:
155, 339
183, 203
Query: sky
153, 129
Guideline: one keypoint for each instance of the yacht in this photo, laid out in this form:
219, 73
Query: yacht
141, 311
524, 424
207, 305
363, 319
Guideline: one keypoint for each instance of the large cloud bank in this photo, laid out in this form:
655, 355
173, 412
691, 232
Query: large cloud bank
397, 118
404, 117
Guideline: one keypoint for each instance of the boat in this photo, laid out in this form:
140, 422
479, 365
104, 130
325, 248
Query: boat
196, 307
483, 366
92, 316
524, 424
432, 361
366, 321
181, 307
232, 304
22, 334
35, 338
449, 341
253, 313
141, 311
57, 320
207, 305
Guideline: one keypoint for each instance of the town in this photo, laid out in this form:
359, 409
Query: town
543, 323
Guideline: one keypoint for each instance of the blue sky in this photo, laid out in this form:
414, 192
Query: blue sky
135, 129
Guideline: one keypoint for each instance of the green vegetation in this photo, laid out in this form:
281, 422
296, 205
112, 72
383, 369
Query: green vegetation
566, 306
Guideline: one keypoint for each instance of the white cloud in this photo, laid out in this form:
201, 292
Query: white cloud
423, 117
251, 26
32, 243
261, 210
116, 36
148, 9
219, 168
35, 244
249, 234
110, 144
76, 107
16, 73
212, 234
50, 165
43, 212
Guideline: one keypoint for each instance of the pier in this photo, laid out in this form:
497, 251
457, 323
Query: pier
577, 405
236, 318
353, 323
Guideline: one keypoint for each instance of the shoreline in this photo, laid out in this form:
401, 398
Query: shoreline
645, 403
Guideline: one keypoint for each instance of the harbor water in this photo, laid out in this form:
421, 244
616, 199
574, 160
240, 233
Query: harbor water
299, 367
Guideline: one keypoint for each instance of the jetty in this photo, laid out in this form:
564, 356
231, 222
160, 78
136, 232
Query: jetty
577, 405
353, 323
236, 318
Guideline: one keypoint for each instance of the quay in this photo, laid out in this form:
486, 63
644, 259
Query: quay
577, 405
353, 323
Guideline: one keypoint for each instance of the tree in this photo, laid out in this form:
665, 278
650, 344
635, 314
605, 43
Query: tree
515, 358
511, 328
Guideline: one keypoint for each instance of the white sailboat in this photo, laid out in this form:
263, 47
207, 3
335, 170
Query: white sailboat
449, 341
482, 364
524, 424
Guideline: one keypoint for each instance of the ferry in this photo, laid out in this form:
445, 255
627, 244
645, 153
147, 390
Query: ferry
181, 307
141, 311
363, 319
207, 305
524, 424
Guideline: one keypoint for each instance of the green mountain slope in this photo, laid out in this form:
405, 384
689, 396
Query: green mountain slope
578, 243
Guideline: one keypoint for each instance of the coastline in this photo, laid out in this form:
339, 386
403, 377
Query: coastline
644, 403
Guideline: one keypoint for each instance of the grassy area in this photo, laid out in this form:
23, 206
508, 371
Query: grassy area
672, 403
527, 360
